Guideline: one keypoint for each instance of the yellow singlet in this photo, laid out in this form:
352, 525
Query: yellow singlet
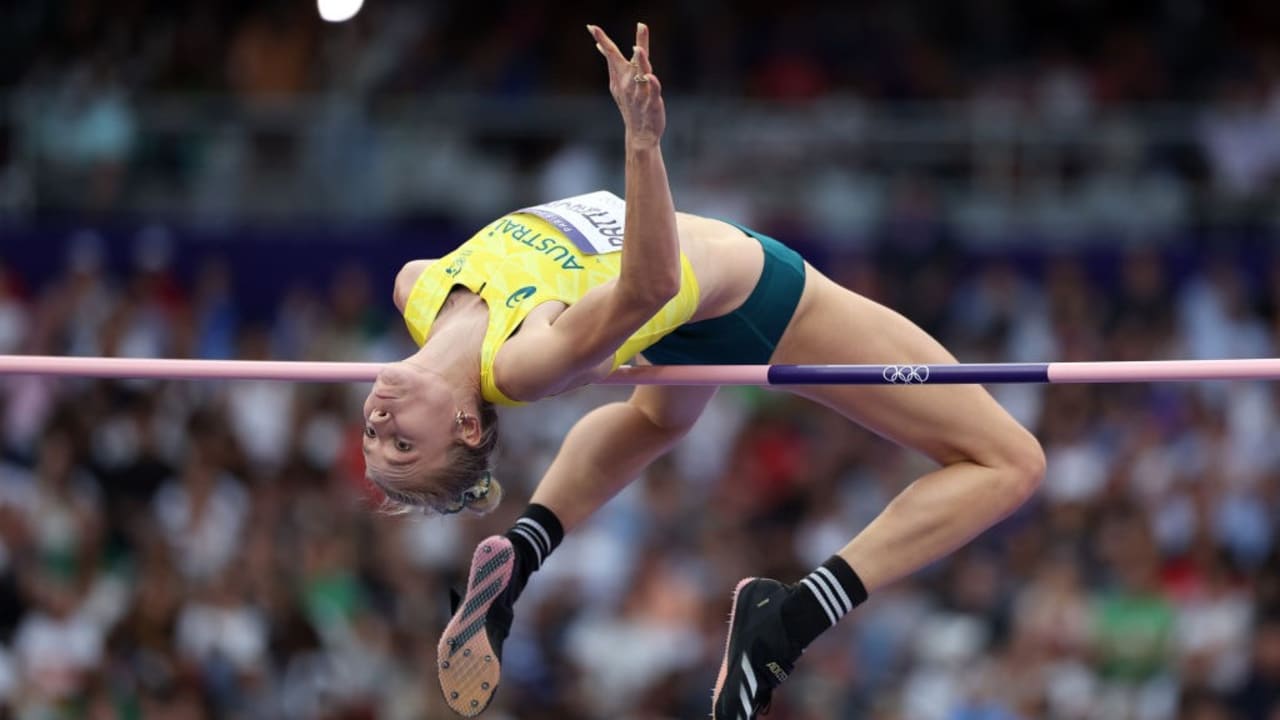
518, 262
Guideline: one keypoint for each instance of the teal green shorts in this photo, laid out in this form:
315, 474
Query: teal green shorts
750, 334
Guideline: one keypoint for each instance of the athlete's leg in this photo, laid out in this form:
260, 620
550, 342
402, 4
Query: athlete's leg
990, 465
609, 447
603, 452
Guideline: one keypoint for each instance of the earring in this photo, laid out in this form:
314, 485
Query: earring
459, 418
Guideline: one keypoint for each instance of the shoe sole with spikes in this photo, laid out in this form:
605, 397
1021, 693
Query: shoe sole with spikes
467, 664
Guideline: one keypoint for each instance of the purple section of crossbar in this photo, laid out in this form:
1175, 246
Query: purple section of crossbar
908, 374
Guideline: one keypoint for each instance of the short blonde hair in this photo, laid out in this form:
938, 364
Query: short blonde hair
464, 482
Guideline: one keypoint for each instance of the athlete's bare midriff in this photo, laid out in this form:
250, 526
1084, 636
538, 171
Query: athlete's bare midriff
725, 260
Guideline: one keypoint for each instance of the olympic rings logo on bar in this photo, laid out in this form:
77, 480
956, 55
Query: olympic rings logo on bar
906, 374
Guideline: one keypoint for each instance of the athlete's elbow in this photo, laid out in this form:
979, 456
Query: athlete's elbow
665, 292
652, 294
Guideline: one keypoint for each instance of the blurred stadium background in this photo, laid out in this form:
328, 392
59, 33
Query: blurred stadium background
1062, 180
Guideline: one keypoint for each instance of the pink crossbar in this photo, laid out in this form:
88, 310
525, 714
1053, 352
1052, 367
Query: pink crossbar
1079, 372
100, 367
169, 369
1165, 370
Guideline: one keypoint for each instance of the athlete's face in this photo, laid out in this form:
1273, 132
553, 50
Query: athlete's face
409, 422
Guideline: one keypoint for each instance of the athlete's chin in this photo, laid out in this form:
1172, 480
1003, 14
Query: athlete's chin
391, 380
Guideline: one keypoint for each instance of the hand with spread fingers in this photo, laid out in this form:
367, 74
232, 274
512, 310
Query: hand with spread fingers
634, 87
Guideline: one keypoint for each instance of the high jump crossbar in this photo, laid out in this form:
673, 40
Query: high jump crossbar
760, 375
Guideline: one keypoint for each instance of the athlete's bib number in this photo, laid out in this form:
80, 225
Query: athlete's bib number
592, 221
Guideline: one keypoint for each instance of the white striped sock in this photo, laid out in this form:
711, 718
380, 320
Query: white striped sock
531, 539
832, 597
834, 584
540, 531
822, 600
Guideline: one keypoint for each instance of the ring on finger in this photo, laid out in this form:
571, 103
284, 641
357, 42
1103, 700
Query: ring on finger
641, 78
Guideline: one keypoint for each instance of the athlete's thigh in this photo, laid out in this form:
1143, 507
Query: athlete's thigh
676, 407
947, 422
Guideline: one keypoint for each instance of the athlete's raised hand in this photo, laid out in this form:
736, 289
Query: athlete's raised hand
634, 87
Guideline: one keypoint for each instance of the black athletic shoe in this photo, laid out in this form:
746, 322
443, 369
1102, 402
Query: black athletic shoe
758, 656
469, 656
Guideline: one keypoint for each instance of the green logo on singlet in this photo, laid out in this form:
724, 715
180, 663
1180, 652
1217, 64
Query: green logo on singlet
520, 295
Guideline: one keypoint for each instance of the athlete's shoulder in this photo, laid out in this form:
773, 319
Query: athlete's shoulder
406, 279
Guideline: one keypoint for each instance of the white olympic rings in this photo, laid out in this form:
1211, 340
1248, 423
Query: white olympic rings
906, 374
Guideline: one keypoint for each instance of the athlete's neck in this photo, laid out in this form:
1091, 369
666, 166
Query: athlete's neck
452, 348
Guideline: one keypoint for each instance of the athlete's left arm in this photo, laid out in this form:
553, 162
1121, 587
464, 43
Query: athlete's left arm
573, 349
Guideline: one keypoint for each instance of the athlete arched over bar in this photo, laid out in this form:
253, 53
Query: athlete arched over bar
536, 304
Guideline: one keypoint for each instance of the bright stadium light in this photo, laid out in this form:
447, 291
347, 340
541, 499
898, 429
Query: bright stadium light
339, 10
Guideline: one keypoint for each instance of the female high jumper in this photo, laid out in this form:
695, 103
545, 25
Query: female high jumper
556, 296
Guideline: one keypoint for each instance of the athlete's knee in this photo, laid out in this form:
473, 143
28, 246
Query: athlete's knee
1022, 462
1015, 462
674, 425
672, 414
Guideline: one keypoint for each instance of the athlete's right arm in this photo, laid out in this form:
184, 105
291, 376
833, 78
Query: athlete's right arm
650, 270
612, 444
582, 339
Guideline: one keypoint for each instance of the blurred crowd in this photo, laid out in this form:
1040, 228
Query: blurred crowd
1144, 116
211, 550
200, 550
915, 50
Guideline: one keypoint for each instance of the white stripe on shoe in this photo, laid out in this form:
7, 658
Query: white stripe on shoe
822, 600
751, 675
835, 585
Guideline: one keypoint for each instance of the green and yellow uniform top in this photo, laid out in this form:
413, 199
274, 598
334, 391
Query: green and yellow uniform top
552, 252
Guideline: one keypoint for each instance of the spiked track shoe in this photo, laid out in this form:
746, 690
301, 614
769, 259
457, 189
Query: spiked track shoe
469, 656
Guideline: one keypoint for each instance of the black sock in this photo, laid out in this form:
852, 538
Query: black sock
536, 533
820, 599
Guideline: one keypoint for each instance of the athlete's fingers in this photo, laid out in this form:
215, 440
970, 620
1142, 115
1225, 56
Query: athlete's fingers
606, 45
647, 95
655, 87
641, 60
642, 36
595, 35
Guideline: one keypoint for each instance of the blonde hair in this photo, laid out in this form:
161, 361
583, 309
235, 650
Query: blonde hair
464, 482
